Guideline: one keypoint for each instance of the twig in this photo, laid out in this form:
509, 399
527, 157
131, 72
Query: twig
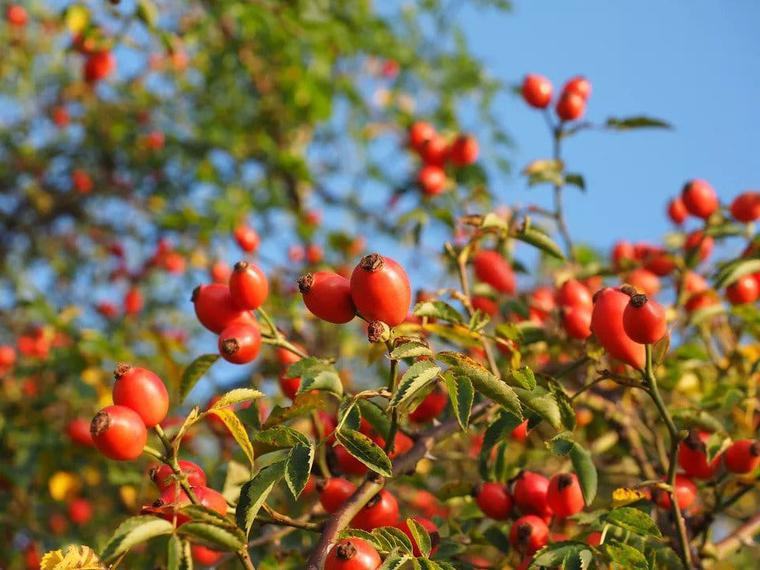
742, 535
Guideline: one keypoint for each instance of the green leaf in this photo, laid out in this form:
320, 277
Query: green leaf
576, 180
438, 310
376, 417
524, 377
178, 556
199, 513
303, 366
236, 396
194, 372
281, 436
556, 553
497, 538
734, 270
236, 429
411, 349
213, 536
395, 561
544, 171
394, 537
583, 464
639, 122
325, 381
365, 450
544, 403
255, 493
633, 520
624, 557
147, 12
495, 433
132, 532
417, 376
539, 239
298, 468
462, 395
420, 536
304, 404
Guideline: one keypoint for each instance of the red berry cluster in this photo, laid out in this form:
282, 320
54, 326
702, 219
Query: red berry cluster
570, 106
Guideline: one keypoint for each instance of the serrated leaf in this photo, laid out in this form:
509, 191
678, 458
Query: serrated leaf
376, 417
541, 241
462, 395
132, 532
365, 450
411, 349
394, 561
633, 520
544, 404
524, 377
199, 513
191, 418
237, 475
236, 429
325, 381
420, 536
178, 556
417, 376
298, 468
583, 464
542, 171
303, 366
304, 404
236, 396
395, 537
281, 436
624, 557
73, 557
639, 122
254, 493
213, 536
556, 553
438, 310
495, 433
194, 372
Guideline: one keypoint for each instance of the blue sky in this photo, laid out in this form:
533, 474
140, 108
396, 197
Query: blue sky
695, 64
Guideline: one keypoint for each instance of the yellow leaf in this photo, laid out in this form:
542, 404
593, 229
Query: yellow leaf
72, 557
625, 496
236, 429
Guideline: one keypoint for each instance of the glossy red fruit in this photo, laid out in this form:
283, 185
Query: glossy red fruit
578, 85
314, 253
220, 272
686, 493
78, 431
746, 207
381, 510
644, 320
537, 91
119, 433
494, 500
430, 407
485, 305
529, 493
419, 133
694, 283
564, 495
380, 290
431, 179
205, 556
692, 456
573, 293
98, 66
429, 526
677, 211
249, 286
435, 151
529, 534
623, 253
328, 296
173, 498
335, 492
607, 326
215, 308
744, 290
594, 538
247, 238
699, 198
133, 301
142, 391
659, 262
644, 281
696, 240
240, 343
80, 511
493, 269
16, 15
353, 554
163, 475
577, 322
570, 107
289, 386
520, 433
742, 456
464, 150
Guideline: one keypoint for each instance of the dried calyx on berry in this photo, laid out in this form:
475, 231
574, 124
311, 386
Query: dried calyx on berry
305, 283
378, 331
372, 262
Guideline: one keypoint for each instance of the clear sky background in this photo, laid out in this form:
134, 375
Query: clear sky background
693, 63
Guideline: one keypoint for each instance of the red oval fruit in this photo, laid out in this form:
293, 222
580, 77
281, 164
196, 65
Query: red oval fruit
419, 133
746, 207
529, 534
485, 305
249, 286
381, 510
353, 554
78, 431
119, 433
685, 490
16, 15
696, 240
99, 65
133, 301
380, 290
537, 91
81, 181
174, 498
701, 300
699, 198
163, 475
7, 356
464, 150
744, 290
335, 492
742, 456
289, 386
493, 269
564, 495
577, 322
142, 391
328, 296
429, 526
215, 308
529, 493
570, 106
623, 253
658, 261
239, 343
520, 433
80, 511
578, 85
607, 326
431, 179
205, 556
677, 211
692, 456
247, 238
494, 500
220, 272
430, 407
434, 151
644, 280
644, 320
573, 293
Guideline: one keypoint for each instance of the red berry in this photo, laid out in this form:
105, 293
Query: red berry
485, 305
537, 91
493, 269
220, 272
644, 320
142, 391
430, 407
119, 433
623, 253
577, 322
239, 343
742, 456
380, 290
564, 495
216, 309
419, 133
16, 15
247, 238
347, 463
685, 490
98, 66
353, 554
249, 287
692, 456
494, 500
464, 150
432, 179
287, 357
78, 431
677, 211
520, 433
328, 296
431, 529
381, 510
644, 280
205, 556
80, 511
696, 240
570, 106
529, 493
7, 356
594, 538
746, 207
173, 498
314, 253
578, 85
573, 293
744, 290
529, 534
335, 493
607, 326
289, 386
133, 301
699, 198
701, 300
163, 475
81, 181
435, 151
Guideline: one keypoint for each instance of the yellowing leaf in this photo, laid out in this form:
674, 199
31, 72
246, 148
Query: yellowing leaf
624, 496
72, 558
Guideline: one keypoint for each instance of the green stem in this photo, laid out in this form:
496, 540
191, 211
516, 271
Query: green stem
245, 558
154, 453
390, 442
321, 450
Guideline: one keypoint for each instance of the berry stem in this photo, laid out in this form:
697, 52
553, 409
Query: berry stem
154, 453
390, 442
